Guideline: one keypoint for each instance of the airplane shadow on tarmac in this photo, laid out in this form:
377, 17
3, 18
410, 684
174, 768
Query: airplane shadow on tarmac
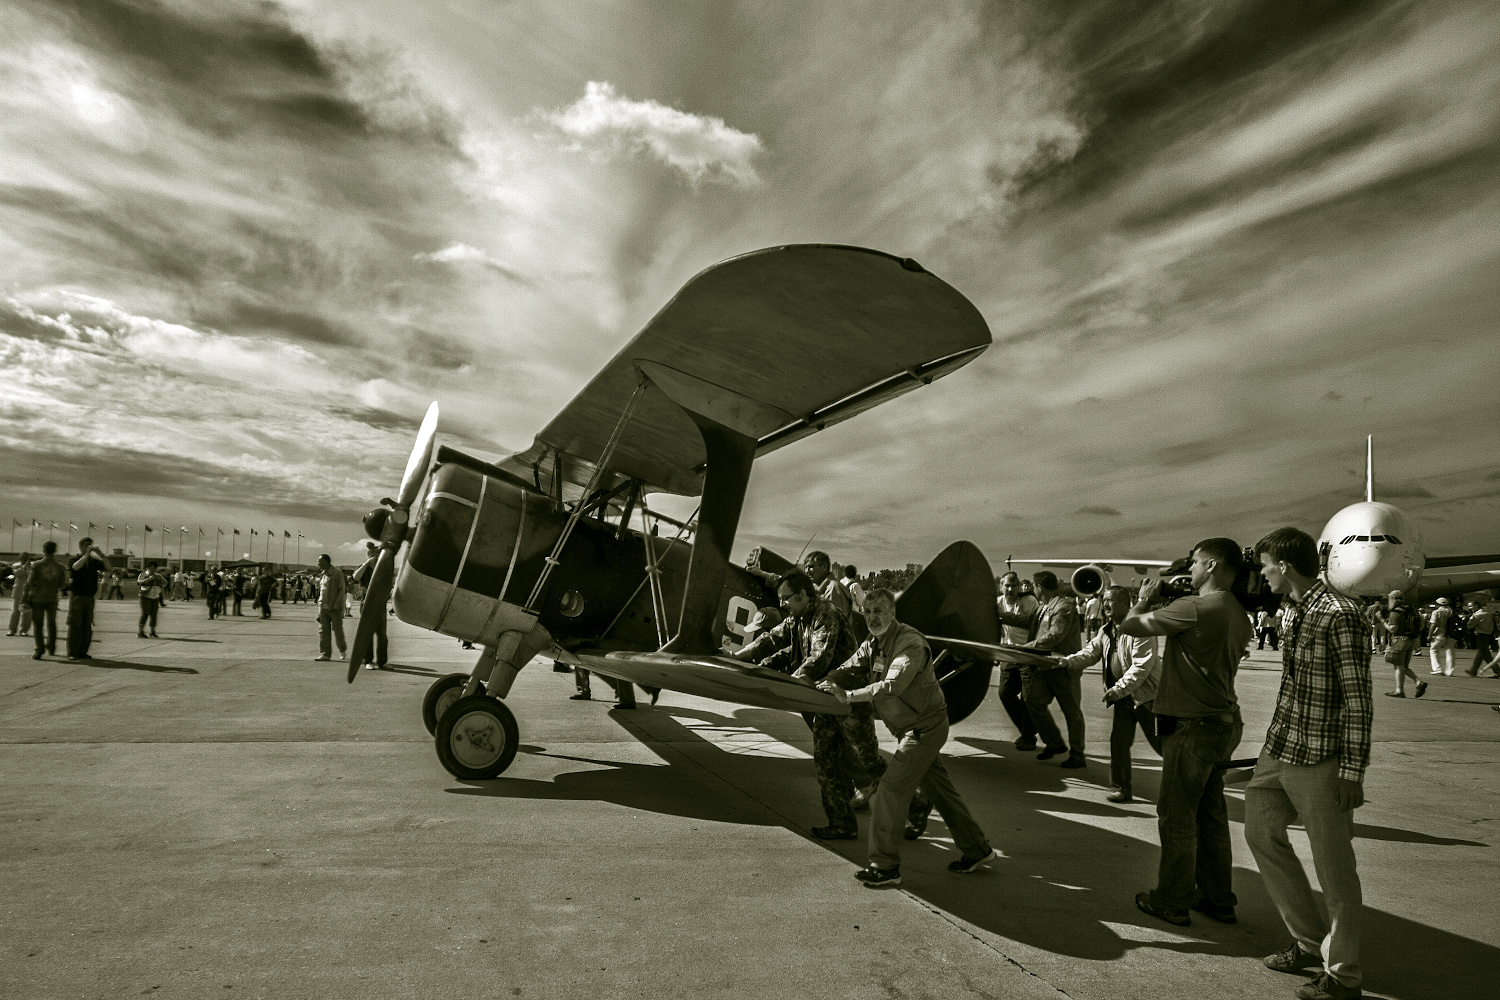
1065, 883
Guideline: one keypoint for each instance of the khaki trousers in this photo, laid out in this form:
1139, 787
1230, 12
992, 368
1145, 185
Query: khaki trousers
917, 764
1277, 796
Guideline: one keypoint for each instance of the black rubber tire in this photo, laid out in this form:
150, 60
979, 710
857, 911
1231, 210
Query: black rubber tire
434, 702
472, 727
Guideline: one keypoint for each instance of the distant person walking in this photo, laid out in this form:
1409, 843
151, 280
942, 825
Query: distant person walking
1482, 628
263, 585
43, 587
211, 594
1440, 631
330, 609
237, 588
114, 589
153, 585
20, 611
1402, 626
81, 593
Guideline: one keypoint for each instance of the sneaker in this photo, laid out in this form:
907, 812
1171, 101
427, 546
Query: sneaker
1051, 752
341, 654
140, 635
1024, 744
1395, 694
1325, 987
580, 697
1074, 763
915, 827
1179, 918
879, 878
966, 865
322, 658
155, 636
36, 656
834, 833
1120, 795
1223, 914
371, 666
860, 800
1421, 688
1292, 959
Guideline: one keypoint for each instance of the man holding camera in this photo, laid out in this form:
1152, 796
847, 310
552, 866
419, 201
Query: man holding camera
1198, 719
86, 569
1312, 769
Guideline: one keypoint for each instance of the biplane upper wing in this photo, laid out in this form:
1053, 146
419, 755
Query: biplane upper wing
776, 344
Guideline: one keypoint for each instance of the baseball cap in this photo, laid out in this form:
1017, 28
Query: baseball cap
764, 618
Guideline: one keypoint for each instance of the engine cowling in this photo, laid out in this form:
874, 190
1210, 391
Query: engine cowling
1090, 580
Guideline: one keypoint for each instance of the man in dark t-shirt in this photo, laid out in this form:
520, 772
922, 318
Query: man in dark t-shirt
85, 587
1198, 718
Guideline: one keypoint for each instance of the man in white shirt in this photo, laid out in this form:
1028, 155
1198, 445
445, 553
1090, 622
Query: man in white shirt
851, 583
1013, 677
1131, 667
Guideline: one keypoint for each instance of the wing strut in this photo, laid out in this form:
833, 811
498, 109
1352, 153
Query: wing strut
599, 471
727, 473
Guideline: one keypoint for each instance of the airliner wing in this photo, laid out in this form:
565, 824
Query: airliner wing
1435, 585
1139, 565
1442, 562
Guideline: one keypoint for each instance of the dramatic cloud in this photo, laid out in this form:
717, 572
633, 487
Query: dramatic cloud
243, 245
701, 148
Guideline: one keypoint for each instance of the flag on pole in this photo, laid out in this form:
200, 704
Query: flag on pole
148, 529
219, 530
72, 526
92, 526
200, 532
183, 528
236, 531
252, 531
18, 523
54, 524
286, 534
35, 523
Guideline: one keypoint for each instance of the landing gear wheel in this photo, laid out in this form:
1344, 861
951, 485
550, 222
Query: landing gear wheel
477, 738
444, 692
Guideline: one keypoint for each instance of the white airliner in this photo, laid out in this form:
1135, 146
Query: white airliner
1369, 549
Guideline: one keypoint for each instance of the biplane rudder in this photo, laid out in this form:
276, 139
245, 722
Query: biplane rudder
954, 596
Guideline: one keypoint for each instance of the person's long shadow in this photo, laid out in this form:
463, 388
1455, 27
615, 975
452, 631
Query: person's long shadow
154, 668
401, 668
1071, 865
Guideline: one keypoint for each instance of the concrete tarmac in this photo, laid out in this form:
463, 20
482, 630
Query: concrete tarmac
215, 814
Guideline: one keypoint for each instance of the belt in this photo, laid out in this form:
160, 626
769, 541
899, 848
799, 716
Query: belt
1227, 718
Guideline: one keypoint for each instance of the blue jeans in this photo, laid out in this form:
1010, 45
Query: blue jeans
1192, 821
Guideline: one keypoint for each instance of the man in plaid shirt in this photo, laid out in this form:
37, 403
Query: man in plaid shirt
1312, 768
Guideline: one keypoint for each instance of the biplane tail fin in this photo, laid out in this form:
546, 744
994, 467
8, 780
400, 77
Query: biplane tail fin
954, 596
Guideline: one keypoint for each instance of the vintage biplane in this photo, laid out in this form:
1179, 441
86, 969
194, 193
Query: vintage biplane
540, 553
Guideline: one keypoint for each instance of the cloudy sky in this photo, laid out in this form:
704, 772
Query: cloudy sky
242, 245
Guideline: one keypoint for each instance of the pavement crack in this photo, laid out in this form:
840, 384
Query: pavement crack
966, 928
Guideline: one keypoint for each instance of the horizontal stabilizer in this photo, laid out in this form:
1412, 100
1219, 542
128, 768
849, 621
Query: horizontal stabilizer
996, 652
717, 677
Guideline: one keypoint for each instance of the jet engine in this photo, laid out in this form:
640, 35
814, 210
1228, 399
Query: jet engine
1090, 580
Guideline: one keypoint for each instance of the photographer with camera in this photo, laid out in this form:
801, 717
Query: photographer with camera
1198, 720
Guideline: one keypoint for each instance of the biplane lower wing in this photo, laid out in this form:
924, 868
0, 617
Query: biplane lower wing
717, 677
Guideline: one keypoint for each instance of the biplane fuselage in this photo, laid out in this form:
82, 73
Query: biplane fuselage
481, 545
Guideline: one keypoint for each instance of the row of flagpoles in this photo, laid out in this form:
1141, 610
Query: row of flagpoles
183, 532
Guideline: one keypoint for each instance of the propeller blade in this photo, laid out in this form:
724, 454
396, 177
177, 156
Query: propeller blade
421, 458
376, 596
